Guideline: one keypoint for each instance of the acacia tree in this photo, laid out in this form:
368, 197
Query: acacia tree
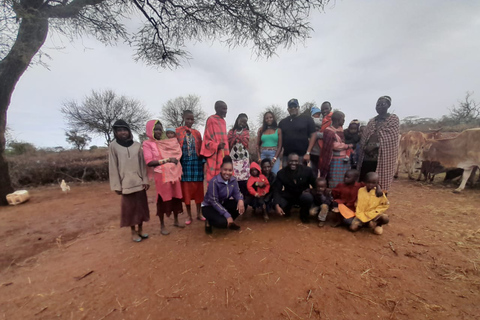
279, 112
172, 111
98, 112
24, 24
77, 139
467, 111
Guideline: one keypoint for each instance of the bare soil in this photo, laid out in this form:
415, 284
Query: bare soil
64, 256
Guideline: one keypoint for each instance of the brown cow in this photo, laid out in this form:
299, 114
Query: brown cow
409, 148
462, 151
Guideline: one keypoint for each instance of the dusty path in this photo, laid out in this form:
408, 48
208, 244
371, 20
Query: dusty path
424, 266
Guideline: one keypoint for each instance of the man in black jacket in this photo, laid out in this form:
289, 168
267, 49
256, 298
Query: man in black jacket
290, 185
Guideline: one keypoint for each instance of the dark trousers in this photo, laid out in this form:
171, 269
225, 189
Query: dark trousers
314, 164
254, 202
304, 201
367, 166
243, 188
215, 219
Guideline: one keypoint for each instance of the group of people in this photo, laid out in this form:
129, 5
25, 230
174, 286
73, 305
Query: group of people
324, 168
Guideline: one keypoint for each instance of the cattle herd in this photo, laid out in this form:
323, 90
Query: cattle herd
436, 152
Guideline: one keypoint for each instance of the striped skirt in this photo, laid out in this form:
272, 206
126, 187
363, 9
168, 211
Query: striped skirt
336, 174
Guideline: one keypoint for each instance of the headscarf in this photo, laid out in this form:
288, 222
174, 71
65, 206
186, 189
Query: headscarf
167, 148
122, 124
355, 122
386, 98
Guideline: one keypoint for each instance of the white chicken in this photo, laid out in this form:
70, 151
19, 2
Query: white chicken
65, 187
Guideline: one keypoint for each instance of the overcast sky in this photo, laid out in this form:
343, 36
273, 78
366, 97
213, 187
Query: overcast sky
424, 54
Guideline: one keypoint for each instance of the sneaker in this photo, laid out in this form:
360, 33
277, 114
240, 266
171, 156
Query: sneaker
321, 224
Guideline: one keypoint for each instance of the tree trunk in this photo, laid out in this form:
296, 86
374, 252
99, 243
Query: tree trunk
31, 36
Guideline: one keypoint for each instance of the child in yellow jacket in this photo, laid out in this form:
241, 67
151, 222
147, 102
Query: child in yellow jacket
370, 208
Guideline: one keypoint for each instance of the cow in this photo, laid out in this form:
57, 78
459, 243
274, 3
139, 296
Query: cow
409, 147
462, 151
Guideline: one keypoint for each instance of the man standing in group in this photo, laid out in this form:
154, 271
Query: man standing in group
298, 133
215, 142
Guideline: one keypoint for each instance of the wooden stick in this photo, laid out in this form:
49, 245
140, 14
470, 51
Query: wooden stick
394, 308
309, 292
84, 275
358, 296
43, 309
311, 310
226, 293
392, 248
109, 313
294, 313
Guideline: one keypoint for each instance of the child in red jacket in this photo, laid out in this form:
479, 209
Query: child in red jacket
257, 187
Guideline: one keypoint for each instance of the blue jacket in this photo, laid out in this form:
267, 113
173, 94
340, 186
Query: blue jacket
220, 190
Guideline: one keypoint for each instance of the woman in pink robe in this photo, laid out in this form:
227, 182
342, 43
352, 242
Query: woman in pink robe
163, 156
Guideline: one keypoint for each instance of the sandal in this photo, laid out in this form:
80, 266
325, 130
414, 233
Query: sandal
201, 218
143, 235
188, 222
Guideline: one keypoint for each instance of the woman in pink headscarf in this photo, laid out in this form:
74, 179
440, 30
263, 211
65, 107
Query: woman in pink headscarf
163, 156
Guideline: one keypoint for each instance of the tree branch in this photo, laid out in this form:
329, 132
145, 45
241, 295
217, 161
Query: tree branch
69, 10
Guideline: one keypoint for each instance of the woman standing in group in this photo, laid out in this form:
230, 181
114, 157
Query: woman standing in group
333, 158
128, 177
190, 141
163, 155
223, 201
379, 145
238, 139
269, 139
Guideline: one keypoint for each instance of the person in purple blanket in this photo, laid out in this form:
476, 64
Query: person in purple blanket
223, 202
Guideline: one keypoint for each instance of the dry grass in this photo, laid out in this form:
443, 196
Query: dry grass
42, 168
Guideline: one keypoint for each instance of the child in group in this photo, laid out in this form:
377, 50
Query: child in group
322, 201
346, 194
170, 132
192, 164
371, 206
258, 187
267, 166
128, 177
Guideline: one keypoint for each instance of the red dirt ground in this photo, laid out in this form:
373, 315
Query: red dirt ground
424, 266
